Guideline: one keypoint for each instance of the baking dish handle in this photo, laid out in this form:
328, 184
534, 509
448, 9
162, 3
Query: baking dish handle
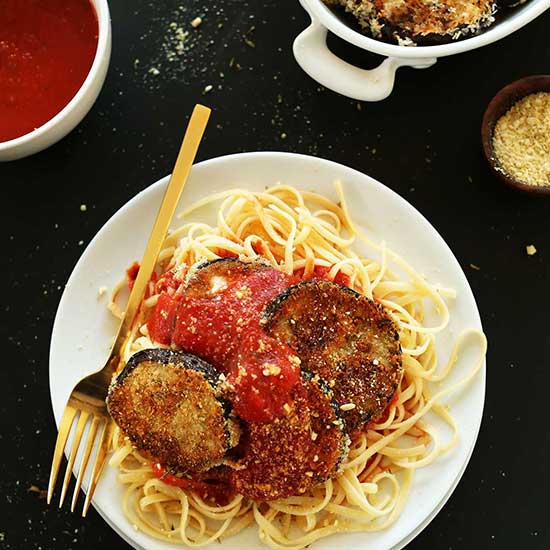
312, 54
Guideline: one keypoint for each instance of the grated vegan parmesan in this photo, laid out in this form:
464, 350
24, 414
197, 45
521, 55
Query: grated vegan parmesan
521, 140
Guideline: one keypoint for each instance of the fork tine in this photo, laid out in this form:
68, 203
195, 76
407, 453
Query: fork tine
83, 419
64, 429
102, 451
85, 458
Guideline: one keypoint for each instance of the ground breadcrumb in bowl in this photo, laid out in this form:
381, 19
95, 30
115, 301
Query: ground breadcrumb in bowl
515, 134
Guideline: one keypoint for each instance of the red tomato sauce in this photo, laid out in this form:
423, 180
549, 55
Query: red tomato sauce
262, 373
131, 274
167, 282
47, 48
224, 329
212, 326
209, 490
321, 272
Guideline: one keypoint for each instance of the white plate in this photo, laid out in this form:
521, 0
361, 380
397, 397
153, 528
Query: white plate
83, 329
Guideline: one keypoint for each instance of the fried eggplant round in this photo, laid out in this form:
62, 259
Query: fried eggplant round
345, 338
170, 405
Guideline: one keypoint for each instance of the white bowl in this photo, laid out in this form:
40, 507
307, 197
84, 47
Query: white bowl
312, 54
64, 121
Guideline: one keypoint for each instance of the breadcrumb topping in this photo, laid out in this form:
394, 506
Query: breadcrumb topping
409, 20
521, 140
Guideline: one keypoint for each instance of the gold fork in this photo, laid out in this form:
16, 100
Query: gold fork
87, 400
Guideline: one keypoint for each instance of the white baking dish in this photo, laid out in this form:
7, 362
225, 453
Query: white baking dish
313, 55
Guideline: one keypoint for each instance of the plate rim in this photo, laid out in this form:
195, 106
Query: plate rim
163, 181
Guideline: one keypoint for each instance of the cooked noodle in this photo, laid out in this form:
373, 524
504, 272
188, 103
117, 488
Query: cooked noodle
293, 231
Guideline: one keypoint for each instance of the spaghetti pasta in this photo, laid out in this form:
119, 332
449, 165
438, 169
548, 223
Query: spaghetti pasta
301, 231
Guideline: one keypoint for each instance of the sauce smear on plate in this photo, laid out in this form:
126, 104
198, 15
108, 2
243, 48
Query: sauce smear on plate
47, 48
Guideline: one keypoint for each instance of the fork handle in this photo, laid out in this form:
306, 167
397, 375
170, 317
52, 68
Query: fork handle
186, 156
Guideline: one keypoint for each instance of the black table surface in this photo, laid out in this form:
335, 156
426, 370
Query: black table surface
423, 142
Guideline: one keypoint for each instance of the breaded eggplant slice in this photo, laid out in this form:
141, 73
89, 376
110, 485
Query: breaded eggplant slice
221, 300
170, 405
331, 445
208, 278
345, 338
295, 452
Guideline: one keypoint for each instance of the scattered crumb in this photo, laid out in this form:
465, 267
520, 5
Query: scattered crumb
207, 89
196, 22
246, 37
179, 39
283, 135
154, 71
83, 208
531, 250
476, 267
101, 291
42, 493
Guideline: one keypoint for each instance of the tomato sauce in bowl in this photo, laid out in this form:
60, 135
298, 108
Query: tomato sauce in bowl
47, 48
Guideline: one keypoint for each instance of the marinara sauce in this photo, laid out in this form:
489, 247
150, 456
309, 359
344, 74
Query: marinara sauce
213, 488
47, 48
224, 329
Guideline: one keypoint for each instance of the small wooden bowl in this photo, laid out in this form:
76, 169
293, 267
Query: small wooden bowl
502, 101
